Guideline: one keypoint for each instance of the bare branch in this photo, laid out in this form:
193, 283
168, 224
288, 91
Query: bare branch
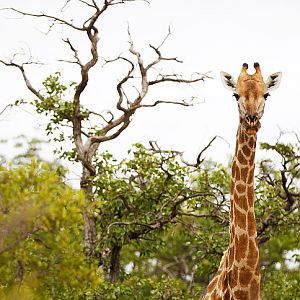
102, 117
123, 81
93, 37
122, 121
175, 78
199, 159
42, 15
166, 37
26, 80
69, 126
90, 5
67, 41
127, 224
161, 58
156, 149
183, 103
65, 5
143, 71
191, 214
92, 33
116, 2
6, 107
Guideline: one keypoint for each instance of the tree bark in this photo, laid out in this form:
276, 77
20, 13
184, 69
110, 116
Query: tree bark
114, 270
90, 232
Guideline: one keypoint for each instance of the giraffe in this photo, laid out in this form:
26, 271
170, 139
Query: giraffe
238, 276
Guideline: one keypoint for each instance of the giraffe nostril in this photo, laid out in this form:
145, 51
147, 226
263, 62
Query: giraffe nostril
251, 118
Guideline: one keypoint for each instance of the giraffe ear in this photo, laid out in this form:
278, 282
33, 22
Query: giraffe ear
228, 81
273, 81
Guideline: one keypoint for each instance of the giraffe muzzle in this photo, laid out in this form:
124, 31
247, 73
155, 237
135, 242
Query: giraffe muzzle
251, 123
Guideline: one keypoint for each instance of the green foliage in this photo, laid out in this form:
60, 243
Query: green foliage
58, 106
148, 205
213, 183
41, 230
281, 285
280, 277
25, 150
170, 222
137, 288
285, 150
277, 191
53, 104
137, 197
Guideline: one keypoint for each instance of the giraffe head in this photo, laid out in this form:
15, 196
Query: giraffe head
251, 92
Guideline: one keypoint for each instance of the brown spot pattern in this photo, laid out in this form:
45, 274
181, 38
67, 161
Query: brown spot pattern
241, 188
232, 276
250, 194
251, 142
244, 174
253, 258
251, 176
238, 255
246, 150
240, 136
223, 282
251, 224
227, 295
241, 295
245, 277
254, 290
240, 219
252, 156
242, 246
242, 202
241, 158
237, 174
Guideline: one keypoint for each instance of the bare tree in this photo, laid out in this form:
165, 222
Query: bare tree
139, 72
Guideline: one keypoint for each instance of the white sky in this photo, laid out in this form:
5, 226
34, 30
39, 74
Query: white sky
212, 35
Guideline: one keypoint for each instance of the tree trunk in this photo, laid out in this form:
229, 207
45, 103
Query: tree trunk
90, 233
114, 270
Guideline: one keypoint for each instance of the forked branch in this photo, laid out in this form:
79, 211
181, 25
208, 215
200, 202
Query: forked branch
26, 79
139, 69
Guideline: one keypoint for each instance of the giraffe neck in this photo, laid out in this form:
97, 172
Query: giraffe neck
243, 252
238, 275
242, 218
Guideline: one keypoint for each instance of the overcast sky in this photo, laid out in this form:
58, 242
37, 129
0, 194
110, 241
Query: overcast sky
209, 36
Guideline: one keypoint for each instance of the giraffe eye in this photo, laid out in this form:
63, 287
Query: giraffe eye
237, 97
266, 96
